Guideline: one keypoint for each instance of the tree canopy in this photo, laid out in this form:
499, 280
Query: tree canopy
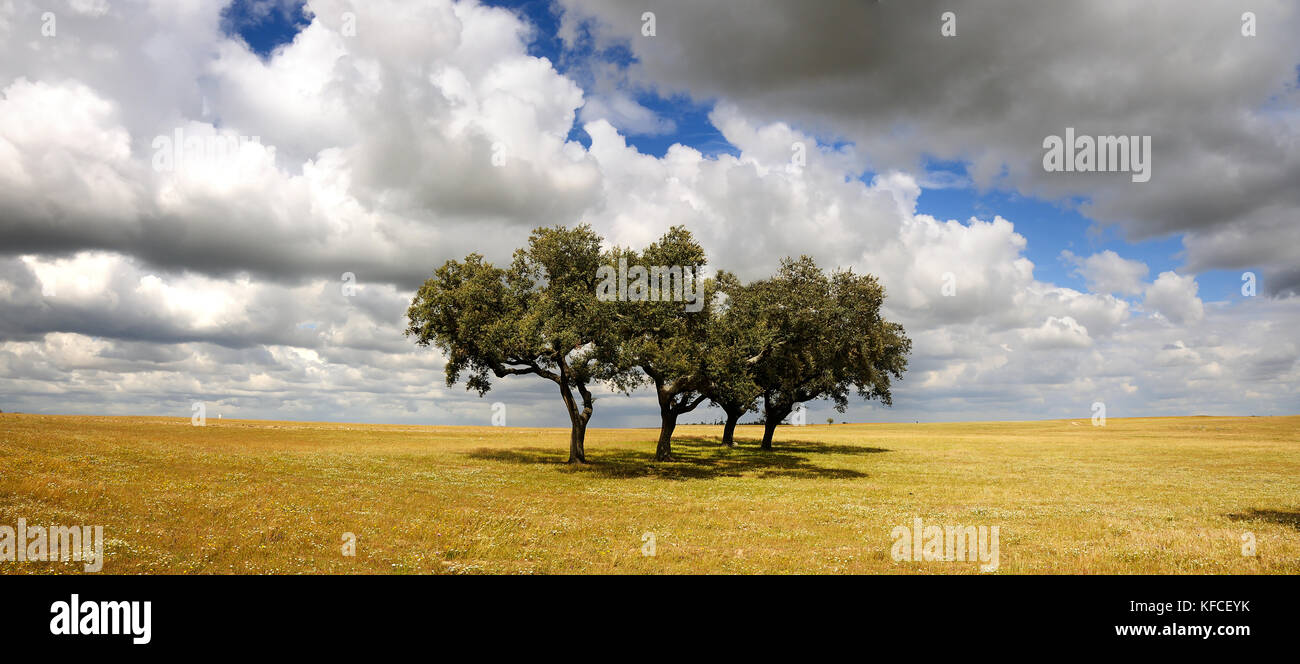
667, 338
539, 316
818, 336
734, 344
575, 314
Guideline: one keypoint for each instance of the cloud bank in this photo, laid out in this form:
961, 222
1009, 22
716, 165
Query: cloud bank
388, 137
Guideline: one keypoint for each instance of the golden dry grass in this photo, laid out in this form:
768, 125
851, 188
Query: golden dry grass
1161, 495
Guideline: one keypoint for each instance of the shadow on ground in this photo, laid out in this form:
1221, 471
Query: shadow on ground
1274, 516
694, 458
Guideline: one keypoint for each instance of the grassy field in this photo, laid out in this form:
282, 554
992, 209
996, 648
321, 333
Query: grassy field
1162, 495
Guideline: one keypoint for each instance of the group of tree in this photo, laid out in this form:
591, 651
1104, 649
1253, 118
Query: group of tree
766, 346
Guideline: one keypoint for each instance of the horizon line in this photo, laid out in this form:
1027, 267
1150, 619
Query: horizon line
648, 428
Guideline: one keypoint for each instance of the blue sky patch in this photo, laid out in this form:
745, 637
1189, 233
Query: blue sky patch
264, 24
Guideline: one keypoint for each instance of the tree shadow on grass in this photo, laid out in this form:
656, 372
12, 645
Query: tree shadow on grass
1275, 516
693, 459
781, 445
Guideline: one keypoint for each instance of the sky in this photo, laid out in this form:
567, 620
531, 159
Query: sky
146, 265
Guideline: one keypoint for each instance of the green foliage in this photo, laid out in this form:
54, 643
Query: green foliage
797, 336
734, 347
818, 337
667, 340
538, 316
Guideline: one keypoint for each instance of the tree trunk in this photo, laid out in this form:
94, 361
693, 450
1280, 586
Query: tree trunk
771, 418
769, 427
729, 431
578, 432
577, 440
664, 451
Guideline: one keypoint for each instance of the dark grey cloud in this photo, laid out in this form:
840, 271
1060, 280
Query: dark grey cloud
1221, 107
